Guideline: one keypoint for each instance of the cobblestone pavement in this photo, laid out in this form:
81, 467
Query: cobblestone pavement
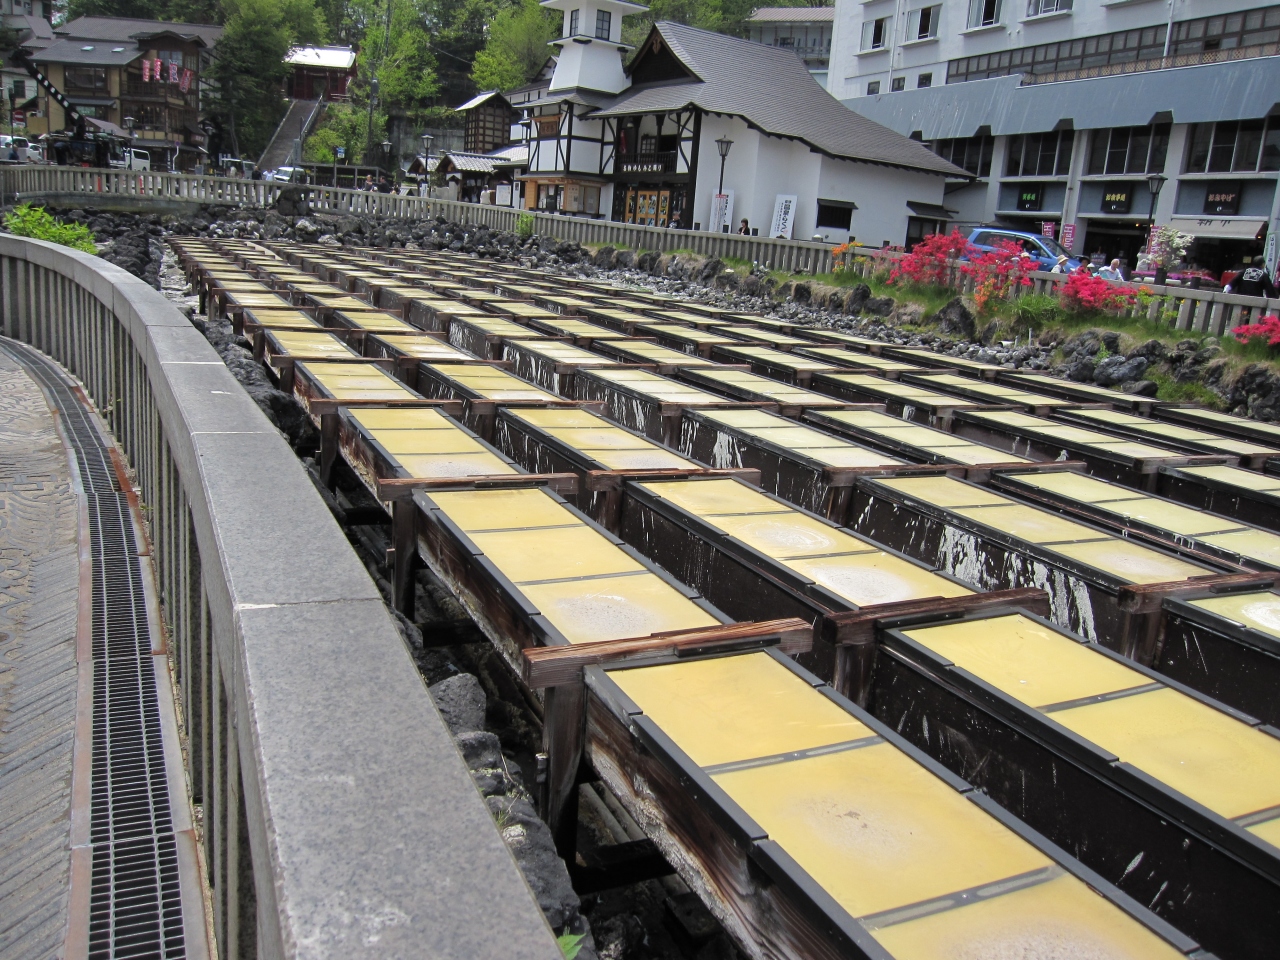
39, 589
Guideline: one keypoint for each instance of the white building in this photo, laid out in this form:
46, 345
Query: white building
1064, 108
641, 143
804, 30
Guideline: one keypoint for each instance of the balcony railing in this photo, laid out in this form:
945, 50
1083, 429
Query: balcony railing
658, 161
1155, 63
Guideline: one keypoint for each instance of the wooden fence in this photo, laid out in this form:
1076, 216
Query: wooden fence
1199, 311
81, 185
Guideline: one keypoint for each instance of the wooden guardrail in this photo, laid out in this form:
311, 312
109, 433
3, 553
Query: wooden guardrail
1199, 311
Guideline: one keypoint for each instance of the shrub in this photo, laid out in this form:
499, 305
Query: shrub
998, 273
37, 223
524, 226
929, 262
1036, 310
1083, 293
1266, 330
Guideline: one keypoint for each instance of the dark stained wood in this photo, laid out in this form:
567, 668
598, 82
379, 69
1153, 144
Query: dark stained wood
557, 666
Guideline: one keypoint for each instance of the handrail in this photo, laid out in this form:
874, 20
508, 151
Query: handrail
339, 819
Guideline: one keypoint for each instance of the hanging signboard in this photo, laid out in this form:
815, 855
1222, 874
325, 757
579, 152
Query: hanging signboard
784, 214
721, 211
1068, 236
1117, 198
1048, 228
1270, 250
1031, 197
1222, 198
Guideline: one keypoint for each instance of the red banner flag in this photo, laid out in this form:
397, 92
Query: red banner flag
146, 71
185, 83
157, 70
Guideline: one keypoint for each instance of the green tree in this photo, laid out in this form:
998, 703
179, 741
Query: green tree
516, 46
249, 65
343, 126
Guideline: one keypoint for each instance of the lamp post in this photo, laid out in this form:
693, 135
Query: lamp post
128, 125
1155, 183
13, 105
723, 145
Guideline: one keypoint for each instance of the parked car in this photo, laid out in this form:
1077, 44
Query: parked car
20, 145
131, 159
1044, 250
290, 174
238, 168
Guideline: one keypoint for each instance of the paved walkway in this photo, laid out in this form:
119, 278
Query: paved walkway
39, 590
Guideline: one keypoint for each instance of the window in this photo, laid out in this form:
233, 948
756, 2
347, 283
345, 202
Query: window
1039, 154
1128, 150
922, 24
924, 80
573, 23
835, 214
1250, 28
970, 153
604, 21
1041, 8
1086, 53
875, 34
1245, 146
898, 83
983, 13
873, 88
86, 78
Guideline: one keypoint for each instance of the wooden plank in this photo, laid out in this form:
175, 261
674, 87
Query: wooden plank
559, 666
395, 488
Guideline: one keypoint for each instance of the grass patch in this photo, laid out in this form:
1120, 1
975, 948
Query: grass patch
1173, 391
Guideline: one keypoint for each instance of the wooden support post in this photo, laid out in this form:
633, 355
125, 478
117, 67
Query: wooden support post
328, 446
564, 722
405, 555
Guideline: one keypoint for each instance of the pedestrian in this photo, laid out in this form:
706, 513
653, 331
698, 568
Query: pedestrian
744, 228
1111, 271
383, 185
1254, 281
368, 183
256, 175
1060, 266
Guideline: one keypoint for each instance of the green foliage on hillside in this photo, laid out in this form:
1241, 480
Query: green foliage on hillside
39, 224
516, 46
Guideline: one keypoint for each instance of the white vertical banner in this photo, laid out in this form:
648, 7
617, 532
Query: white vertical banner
721, 211
1272, 248
784, 214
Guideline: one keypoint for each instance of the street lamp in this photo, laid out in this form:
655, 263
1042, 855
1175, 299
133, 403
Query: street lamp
1155, 183
426, 144
723, 145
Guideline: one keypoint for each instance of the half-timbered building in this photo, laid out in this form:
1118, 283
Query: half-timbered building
638, 142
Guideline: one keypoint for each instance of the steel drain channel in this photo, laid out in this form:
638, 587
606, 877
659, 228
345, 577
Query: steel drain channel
135, 903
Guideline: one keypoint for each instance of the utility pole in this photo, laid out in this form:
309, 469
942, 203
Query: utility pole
373, 81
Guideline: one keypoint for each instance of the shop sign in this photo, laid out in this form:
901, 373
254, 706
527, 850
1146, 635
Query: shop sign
1068, 236
1048, 228
1222, 198
1117, 198
784, 212
721, 211
1031, 198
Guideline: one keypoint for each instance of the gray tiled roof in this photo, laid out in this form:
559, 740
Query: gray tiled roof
127, 28
100, 53
793, 15
772, 90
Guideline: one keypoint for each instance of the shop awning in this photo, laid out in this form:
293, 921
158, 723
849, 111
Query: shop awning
1225, 228
934, 210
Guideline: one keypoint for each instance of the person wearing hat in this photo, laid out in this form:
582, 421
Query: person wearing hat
1060, 266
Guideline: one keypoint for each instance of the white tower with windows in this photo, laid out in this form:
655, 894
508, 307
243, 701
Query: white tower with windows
590, 44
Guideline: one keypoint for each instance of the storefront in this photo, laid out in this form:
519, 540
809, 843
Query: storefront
1222, 243
650, 204
563, 195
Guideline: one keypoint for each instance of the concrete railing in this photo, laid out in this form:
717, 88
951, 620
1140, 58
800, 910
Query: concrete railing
339, 818
82, 186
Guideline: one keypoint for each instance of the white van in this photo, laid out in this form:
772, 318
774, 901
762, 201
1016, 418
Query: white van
131, 159
19, 145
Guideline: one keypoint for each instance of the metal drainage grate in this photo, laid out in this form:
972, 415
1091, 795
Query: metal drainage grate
135, 906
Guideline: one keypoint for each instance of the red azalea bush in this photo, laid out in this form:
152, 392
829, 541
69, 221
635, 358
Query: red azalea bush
1083, 293
1267, 329
998, 273
928, 263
